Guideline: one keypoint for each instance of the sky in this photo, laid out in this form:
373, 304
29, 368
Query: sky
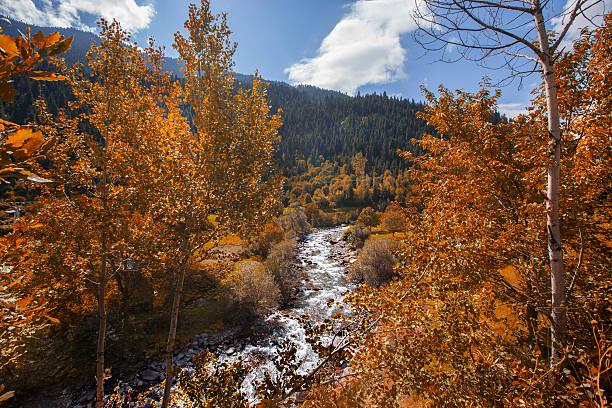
351, 46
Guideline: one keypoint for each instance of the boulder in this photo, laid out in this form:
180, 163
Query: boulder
150, 375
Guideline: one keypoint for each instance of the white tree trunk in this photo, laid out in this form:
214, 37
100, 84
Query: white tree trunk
555, 251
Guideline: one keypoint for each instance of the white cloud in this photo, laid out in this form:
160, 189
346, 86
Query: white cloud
511, 110
67, 13
363, 48
595, 16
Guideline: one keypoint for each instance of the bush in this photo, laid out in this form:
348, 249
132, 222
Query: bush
368, 217
393, 219
294, 221
253, 288
271, 234
279, 264
375, 263
356, 235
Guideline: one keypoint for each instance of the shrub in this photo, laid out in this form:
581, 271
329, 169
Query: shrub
356, 235
271, 234
393, 219
253, 287
294, 221
214, 383
375, 263
279, 264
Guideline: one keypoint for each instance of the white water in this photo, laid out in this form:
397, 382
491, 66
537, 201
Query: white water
320, 262
325, 280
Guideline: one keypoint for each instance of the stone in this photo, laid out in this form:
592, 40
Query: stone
88, 396
230, 351
200, 302
150, 375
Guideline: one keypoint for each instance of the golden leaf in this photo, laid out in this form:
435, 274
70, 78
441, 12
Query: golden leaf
25, 139
8, 46
52, 319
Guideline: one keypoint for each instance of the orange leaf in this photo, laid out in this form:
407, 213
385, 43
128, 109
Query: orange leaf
44, 76
52, 319
8, 46
26, 139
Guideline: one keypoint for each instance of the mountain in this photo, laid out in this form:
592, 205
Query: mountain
318, 125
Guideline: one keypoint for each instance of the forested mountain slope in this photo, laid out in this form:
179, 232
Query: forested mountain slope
318, 124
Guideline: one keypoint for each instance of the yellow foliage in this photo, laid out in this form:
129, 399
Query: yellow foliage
512, 276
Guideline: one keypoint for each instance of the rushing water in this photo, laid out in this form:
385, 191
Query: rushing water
321, 260
324, 278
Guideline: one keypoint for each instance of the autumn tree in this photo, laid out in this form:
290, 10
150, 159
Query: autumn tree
368, 217
84, 221
472, 305
22, 316
222, 170
393, 219
517, 33
19, 57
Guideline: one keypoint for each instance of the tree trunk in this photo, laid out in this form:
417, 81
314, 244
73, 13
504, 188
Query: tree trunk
555, 251
101, 328
172, 333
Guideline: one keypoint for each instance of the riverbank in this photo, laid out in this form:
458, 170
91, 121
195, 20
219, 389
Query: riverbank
321, 261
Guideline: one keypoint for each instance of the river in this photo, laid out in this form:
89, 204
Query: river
321, 260
322, 257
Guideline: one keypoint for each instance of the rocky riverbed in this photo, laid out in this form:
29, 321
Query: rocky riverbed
322, 259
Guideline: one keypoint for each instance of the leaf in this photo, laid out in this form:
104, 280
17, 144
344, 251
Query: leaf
44, 76
5, 158
26, 139
61, 47
6, 396
15, 282
8, 45
40, 41
7, 92
52, 319
36, 179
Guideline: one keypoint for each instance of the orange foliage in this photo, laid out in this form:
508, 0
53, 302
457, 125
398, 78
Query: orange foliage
467, 322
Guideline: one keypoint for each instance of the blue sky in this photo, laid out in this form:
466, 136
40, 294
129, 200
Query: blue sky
346, 45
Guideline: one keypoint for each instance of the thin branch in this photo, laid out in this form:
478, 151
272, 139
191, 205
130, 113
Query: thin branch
499, 30
571, 286
503, 6
573, 15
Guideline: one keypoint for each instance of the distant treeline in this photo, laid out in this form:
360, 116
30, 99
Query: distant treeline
318, 125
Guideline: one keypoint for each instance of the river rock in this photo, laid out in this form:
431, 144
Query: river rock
230, 351
200, 302
88, 396
150, 375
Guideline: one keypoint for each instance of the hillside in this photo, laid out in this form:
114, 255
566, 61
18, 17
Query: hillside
318, 124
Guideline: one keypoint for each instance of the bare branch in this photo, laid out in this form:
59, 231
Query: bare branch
577, 7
